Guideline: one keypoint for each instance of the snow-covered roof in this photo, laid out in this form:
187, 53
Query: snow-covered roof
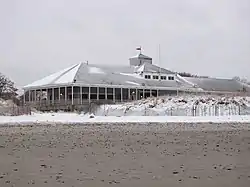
129, 76
150, 68
89, 74
215, 84
62, 77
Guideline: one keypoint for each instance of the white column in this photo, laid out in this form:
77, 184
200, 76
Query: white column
29, 96
121, 95
129, 94
24, 97
97, 93
106, 93
53, 95
65, 97
47, 95
114, 94
89, 93
41, 96
59, 94
72, 97
35, 96
143, 93
136, 94
81, 94
157, 93
150, 93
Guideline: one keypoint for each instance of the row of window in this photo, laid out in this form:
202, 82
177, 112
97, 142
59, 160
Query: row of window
156, 77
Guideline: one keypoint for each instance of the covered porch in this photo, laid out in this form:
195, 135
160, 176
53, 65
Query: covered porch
65, 96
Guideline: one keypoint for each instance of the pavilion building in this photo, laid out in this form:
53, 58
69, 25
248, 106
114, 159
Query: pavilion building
85, 83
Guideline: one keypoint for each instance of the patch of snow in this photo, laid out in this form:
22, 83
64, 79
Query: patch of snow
141, 68
133, 75
134, 83
96, 70
184, 80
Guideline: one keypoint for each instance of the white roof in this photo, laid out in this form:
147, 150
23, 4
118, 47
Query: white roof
89, 74
62, 77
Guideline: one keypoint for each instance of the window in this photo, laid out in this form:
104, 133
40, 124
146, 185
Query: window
163, 78
147, 76
171, 78
155, 77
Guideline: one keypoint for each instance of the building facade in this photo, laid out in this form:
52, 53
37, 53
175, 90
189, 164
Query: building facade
84, 83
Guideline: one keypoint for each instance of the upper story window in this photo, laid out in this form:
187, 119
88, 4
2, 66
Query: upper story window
170, 78
147, 76
163, 78
155, 77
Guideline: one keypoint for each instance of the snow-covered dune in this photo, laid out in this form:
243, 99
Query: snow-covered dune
187, 105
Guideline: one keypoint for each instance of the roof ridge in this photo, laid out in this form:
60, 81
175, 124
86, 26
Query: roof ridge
80, 65
65, 72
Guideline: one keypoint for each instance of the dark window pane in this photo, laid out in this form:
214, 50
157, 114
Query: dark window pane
93, 90
102, 90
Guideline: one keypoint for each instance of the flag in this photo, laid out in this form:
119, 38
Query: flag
138, 48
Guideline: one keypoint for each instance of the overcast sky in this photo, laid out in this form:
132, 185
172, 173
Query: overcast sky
205, 37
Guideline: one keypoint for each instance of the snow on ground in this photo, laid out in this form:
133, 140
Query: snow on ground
187, 105
73, 118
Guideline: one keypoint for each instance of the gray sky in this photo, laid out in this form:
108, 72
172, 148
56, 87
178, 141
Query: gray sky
205, 37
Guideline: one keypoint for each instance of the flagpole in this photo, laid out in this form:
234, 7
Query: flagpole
139, 49
160, 58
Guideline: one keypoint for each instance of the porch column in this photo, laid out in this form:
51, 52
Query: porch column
47, 95
143, 93
72, 97
41, 96
35, 96
59, 94
157, 93
81, 95
24, 97
65, 97
114, 94
89, 93
136, 94
53, 96
121, 95
29, 96
129, 94
97, 91
106, 93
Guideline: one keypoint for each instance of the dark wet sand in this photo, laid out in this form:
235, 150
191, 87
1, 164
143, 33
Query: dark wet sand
104, 156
